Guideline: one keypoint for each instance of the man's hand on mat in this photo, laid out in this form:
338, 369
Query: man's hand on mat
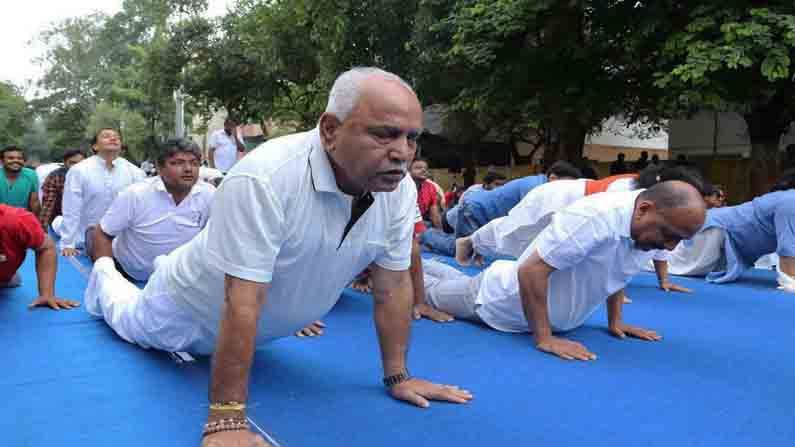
465, 252
565, 349
671, 287
69, 252
425, 311
53, 303
419, 392
240, 438
313, 330
622, 330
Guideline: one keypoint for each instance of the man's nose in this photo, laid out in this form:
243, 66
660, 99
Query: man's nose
402, 149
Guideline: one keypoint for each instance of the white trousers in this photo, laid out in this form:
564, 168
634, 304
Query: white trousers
451, 291
149, 317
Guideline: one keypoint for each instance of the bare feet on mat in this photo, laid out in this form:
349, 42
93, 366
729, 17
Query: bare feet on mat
364, 285
313, 330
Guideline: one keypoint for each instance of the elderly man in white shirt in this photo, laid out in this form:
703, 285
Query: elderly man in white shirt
512, 234
310, 208
587, 255
154, 217
224, 146
91, 186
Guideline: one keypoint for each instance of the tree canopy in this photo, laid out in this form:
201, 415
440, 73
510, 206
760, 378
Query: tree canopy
543, 71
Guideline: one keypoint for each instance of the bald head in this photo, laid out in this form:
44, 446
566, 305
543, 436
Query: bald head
667, 213
674, 194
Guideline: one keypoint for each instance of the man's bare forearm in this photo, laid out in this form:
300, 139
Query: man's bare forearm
46, 266
787, 265
436, 216
533, 285
34, 204
103, 244
417, 280
235, 345
661, 268
392, 313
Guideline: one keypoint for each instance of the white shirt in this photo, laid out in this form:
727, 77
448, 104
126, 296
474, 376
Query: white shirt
43, 171
278, 218
209, 174
698, 256
88, 192
510, 235
623, 184
589, 245
147, 223
225, 155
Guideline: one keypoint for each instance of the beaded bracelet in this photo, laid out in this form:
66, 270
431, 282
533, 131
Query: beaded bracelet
232, 424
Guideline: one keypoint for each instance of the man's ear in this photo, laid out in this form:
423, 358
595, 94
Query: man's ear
329, 126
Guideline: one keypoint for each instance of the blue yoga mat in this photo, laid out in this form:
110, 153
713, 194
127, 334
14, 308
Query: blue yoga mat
721, 377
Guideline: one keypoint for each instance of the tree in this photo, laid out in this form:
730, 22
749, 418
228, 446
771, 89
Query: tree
739, 57
521, 66
117, 59
36, 141
14, 114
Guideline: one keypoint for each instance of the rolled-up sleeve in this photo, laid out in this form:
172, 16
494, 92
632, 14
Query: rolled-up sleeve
245, 235
120, 214
568, 240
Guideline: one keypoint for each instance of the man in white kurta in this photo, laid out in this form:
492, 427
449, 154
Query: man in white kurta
91, 186
590, 251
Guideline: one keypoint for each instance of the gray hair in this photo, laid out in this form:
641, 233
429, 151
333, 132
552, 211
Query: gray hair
347, 89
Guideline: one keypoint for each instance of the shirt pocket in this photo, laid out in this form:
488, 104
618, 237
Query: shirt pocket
189, 220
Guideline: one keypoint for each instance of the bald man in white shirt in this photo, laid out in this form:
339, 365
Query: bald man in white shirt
311, 208
587, 255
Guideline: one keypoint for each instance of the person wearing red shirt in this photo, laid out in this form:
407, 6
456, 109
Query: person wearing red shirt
19, 231
427, 196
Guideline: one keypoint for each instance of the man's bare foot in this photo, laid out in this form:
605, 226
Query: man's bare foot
363, 284
313, 330
464, 250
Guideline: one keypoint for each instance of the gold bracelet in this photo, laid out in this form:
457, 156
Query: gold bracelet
227, 406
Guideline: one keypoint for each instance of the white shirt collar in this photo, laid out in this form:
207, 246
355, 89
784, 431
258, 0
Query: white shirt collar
323, 178
102, 163
159, 185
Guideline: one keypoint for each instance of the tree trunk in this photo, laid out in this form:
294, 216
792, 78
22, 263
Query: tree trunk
568, 145
572, 143
763, 167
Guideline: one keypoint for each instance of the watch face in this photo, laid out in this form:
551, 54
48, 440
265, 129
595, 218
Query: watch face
3, 258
